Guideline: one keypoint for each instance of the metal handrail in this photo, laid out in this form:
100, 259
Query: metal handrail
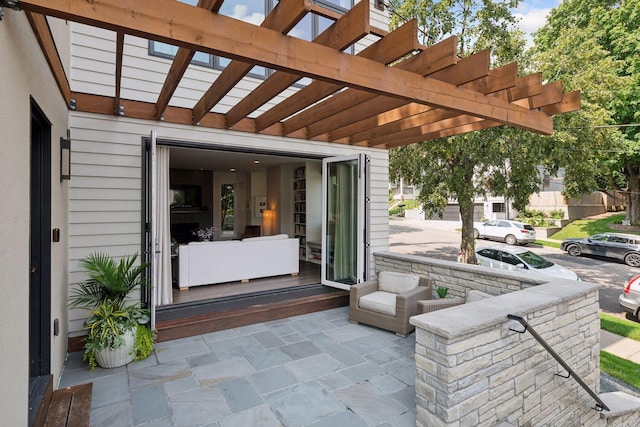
600, 405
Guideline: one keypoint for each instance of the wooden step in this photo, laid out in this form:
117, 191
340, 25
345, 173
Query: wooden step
70, 406
220, 320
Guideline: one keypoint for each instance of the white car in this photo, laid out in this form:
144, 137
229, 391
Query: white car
630, 299
510, 232
521, 259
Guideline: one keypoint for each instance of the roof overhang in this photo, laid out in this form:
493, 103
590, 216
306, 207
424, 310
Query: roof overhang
395, 92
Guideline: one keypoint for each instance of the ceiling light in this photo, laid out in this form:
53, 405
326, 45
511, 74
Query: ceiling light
256, 162
232, 169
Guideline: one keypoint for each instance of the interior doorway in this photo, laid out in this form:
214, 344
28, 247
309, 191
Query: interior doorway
229, 191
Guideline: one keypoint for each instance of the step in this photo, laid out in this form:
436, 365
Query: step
70, 406
227, 319
619, 403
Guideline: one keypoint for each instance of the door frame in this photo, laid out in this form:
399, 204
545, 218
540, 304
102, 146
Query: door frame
39, 252
363, 219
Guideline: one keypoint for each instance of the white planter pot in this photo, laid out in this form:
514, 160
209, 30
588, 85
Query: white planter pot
115, 357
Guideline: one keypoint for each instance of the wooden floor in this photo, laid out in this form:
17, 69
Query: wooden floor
309, 274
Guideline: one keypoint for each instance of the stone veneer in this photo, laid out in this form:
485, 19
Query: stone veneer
473, 370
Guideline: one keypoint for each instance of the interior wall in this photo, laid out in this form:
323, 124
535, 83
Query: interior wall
257, 188
183, 219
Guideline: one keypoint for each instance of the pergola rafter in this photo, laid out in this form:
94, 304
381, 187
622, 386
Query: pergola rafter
362, 99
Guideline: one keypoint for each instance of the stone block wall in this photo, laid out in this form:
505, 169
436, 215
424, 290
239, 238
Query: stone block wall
473, 370
457, 277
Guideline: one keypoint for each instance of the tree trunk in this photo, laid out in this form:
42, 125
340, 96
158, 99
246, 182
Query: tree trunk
633, 206
467, 243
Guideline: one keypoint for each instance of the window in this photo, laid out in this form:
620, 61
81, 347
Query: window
254, 12
499, 207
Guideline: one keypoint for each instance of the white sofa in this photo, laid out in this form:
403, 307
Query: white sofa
204, 263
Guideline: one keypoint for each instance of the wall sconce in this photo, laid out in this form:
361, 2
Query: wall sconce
379, 4
267, 222
65, 157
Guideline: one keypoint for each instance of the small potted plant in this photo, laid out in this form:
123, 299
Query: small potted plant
442, 291
117, 331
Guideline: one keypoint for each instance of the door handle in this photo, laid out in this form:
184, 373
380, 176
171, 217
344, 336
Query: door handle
33, 270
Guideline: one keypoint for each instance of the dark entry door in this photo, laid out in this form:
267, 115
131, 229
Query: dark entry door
40, 250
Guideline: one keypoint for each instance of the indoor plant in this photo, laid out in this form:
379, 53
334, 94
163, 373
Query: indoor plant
114, 320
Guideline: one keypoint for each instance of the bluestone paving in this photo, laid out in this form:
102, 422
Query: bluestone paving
312, 370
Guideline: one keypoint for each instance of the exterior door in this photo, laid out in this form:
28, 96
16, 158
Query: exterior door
40, 258
345, 208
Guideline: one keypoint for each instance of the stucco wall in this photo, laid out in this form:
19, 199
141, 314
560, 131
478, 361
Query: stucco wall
25, 74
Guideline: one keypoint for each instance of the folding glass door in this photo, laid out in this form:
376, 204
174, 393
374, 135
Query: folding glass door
344, 223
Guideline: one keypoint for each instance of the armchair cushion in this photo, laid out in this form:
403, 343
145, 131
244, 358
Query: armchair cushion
380, 302
475, 295
397, 283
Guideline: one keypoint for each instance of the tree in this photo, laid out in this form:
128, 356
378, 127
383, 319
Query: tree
502, 161
593, 45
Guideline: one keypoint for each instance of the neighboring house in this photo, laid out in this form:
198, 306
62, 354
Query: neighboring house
227, 149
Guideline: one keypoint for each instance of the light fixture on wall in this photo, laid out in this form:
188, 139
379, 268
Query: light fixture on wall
267, 222
65, 157
379, 4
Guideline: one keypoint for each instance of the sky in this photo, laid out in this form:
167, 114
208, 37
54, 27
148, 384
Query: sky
532, 13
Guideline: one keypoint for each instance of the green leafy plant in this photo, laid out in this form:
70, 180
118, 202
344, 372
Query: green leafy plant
145, 338
105, 294
442, 291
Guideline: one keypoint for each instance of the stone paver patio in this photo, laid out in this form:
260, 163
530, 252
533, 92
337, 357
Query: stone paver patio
311, 370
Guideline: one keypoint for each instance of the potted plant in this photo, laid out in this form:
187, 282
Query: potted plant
442, 291
117, 331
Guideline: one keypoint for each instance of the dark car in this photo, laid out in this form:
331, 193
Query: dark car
625, 247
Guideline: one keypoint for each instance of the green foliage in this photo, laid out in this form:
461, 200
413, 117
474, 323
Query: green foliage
593, 45
108, 280
442, 291
556, 213
145, 339
105, 294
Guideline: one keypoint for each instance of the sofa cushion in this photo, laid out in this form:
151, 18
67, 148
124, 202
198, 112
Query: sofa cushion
272, 237
380, 302
475, 295
391, 281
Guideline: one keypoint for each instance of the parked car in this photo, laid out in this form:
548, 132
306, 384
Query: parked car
630, 299
516, 258
625, 247
510, 232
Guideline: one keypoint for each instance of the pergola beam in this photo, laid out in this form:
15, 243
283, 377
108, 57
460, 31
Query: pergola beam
429, 60
283, 18
467, 69
187, 26
41, 30
350, 28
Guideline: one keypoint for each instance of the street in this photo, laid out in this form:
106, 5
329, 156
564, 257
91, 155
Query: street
441, 239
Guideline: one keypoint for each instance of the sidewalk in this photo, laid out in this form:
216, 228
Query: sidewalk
620, 346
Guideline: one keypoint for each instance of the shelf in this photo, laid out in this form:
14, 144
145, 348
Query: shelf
300, 211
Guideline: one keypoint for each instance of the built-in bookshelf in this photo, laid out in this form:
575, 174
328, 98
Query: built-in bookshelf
300, 210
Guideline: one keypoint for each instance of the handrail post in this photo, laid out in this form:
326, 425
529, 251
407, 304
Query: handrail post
600, 405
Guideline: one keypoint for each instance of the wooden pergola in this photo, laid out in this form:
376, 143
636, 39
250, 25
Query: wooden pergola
395, 92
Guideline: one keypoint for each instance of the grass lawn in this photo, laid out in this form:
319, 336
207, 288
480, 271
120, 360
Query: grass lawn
622, 369
619, 368
588, 227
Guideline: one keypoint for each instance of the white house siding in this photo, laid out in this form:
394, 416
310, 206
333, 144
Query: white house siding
105, 191
26, 74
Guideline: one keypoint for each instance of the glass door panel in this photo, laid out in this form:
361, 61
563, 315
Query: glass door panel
344, 228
